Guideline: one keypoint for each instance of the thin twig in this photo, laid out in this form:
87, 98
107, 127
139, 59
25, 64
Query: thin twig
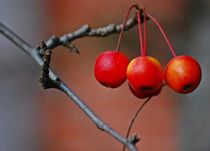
84, 31
134, 118
87, 31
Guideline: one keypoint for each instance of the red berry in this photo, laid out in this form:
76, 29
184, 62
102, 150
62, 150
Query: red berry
110, 68
183, 74
141, 95
145, 74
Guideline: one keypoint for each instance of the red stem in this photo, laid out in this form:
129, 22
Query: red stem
145, 28
143, 52
134, 118
123, 27
163, 33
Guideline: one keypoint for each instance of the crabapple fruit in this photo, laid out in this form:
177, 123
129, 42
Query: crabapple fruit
145, 74
110, 68
183, 74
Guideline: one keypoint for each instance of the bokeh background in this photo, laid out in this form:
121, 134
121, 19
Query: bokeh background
37, 120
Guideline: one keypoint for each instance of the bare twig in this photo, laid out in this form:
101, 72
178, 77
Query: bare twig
86, 31
50, 80
134, 138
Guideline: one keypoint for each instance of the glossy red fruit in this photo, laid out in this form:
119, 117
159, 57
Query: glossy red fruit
110, 68
145, 74
141, 95
183, 74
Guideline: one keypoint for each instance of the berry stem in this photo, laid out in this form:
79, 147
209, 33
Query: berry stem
145, 28
123, 26
143, 52
163, 33
134, 118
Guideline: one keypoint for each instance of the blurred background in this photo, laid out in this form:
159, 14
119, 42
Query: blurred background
37, 120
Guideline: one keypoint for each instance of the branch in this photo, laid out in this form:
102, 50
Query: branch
50, 80
86, 31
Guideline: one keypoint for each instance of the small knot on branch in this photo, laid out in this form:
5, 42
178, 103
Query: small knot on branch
134, 139
71, 47
85, 28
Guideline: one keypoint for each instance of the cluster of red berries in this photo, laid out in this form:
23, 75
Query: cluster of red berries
145, 74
